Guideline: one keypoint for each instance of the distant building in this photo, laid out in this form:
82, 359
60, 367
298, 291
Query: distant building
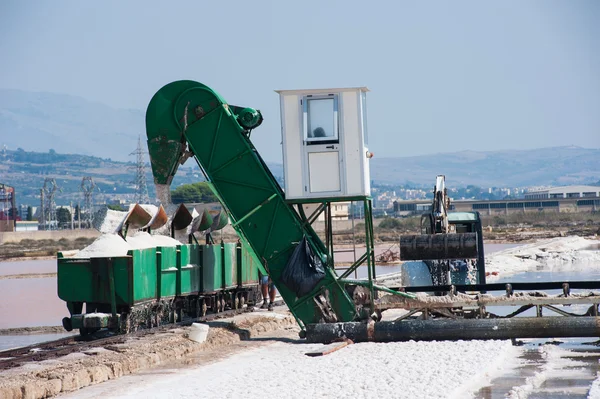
564, 192
504, 207
24, 212
27, 226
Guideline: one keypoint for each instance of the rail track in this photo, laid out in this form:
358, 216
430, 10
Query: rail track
13, 358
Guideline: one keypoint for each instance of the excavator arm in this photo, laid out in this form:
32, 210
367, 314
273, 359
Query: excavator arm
188, 119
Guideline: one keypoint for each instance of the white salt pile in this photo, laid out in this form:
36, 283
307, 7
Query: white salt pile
141, 239
104, 246
556, 252
411, 370
113, 245
108, 221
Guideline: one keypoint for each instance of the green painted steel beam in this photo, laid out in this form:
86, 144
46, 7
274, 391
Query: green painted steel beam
329, 199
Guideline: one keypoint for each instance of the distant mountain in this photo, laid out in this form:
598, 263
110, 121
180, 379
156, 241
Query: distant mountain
69, 125
558, 166
38, 122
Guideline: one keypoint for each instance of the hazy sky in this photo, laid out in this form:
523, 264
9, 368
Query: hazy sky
445, 76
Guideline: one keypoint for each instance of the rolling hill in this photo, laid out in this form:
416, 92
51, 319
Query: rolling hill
558, 166
56, 125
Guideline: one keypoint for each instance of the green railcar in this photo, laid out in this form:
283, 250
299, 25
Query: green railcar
105, 285
88, 280
230, 270
212, 268
247, 266
188, 269
166, 263
149, 286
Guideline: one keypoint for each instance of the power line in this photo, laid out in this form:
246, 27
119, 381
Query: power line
141, 189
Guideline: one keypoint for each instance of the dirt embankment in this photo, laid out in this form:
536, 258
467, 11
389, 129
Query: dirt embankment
41, 249
78, 370
32, 330
513, 228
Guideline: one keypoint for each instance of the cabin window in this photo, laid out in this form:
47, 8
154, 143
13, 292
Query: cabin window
320, 119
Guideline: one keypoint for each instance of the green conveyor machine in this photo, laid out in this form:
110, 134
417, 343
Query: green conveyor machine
188, 119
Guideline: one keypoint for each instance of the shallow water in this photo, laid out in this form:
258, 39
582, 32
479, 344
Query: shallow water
28, 267
552, 380
30, 302
16, 341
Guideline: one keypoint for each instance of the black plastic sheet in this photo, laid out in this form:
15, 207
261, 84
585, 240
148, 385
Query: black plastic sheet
303, 271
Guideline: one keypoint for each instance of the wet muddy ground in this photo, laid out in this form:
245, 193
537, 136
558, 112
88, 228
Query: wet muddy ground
534, 375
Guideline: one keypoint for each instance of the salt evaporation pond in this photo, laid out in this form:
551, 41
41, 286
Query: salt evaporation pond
17, 341
550, 368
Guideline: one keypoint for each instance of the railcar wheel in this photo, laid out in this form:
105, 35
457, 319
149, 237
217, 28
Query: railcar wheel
236, 302
242, 300
125, 323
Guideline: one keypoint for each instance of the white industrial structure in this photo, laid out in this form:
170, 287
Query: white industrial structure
565, 192
325, 148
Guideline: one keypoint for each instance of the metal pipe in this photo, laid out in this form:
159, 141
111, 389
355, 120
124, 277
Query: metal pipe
518, 286
457, 329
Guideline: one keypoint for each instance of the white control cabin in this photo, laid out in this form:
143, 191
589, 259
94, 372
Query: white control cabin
325, 148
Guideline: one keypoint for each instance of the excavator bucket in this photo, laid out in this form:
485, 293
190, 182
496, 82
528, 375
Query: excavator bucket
438, 246
182, 218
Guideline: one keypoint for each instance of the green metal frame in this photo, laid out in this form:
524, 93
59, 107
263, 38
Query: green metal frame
368, 256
